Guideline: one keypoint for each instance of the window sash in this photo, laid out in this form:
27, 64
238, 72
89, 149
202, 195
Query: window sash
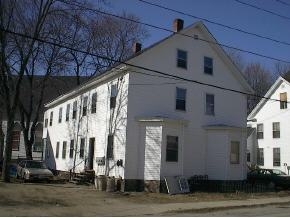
57, 150
94, 103
208, 65
85, 106
260, 131
182, 59
51, 118
110, 147
75, 105
82, 148
276, 130
283, 100
276, 157
209, 104
71, 149
64, 150
15, 140
60, 115
67, 112
180, 99
260, 156
172, 149
235, 152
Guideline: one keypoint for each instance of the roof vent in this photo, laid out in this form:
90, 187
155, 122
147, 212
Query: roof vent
177, 25
137, 47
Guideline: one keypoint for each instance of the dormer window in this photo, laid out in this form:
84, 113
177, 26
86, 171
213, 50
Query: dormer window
283, 100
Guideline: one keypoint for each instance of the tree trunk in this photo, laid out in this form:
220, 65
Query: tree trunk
28, 144
8, 151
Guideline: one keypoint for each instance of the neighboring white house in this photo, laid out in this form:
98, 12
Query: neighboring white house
270, 139
141, 125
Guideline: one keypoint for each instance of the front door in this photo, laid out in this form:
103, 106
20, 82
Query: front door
90, 163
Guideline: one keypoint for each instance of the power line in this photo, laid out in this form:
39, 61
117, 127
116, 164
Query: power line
262, 9
282, 2
186, 35
216, 23
136, 66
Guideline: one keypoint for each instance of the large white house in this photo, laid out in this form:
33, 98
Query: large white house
269, 140
140, 125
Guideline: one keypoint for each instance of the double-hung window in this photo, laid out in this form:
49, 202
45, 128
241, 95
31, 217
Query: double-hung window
283, 100
260, 156
75, 105
64, 150
94, 103
209, 104
82, 148
181, 59
60, 115
172, 149
85, 106
57, 150
276, 130
67, 112
208, 65
276, 157
235, 152
260, 131
113, 97
71, 149
180, 101
110, 147
51, 118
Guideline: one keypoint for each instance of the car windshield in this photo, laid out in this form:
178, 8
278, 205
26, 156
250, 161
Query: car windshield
35, 164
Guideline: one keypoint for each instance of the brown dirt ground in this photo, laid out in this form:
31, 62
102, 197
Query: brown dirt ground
39, 199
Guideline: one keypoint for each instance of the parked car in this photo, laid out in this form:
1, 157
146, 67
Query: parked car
33, 170
272, 177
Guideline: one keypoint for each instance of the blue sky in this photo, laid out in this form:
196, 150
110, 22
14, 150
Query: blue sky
227, 12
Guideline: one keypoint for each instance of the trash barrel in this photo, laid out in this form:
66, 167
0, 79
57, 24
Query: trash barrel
100, 183
110, 184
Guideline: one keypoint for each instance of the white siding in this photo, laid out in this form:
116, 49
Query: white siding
92, 126
157, 98
153, 153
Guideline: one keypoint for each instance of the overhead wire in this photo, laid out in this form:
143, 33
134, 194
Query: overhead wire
282, 2
216, 23
179, 33
262, 9
135, 66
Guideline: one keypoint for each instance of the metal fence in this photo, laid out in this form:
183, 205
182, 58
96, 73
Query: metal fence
201, 183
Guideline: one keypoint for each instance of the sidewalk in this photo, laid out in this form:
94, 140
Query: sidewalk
163, 209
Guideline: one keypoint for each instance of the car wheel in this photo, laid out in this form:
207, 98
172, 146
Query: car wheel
271, 185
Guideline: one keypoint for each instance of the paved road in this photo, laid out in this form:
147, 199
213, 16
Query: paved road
266, 211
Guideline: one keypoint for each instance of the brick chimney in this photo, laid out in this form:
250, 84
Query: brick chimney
177, 25
137, 47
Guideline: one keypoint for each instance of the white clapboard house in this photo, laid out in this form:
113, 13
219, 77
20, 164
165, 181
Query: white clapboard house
269, 138
140, 125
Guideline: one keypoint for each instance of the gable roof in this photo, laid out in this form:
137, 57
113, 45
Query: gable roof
116, 69
269, 93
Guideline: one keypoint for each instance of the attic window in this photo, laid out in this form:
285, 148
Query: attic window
181, 59
283, 100
208, 65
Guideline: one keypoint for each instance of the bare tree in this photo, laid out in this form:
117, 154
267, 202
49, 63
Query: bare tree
27, 17
260, 80
281, 69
